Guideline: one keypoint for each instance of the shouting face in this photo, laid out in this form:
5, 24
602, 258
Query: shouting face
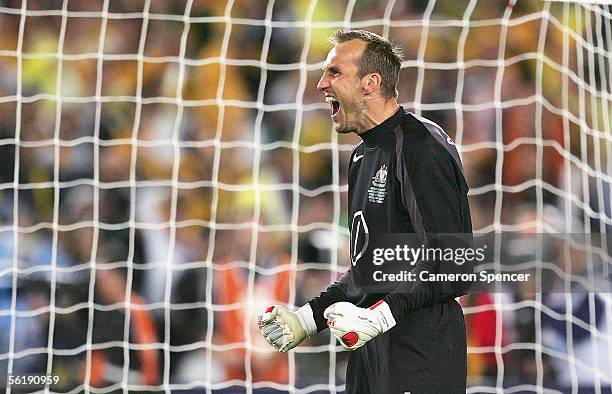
342, 86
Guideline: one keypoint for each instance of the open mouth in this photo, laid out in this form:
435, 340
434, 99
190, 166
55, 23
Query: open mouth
334, 105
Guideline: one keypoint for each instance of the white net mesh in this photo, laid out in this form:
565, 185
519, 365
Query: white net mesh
167, 169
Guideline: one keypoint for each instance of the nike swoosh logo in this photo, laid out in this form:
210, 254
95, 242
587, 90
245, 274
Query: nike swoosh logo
356, 158
448, 139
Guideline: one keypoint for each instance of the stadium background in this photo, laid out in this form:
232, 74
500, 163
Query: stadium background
162, 187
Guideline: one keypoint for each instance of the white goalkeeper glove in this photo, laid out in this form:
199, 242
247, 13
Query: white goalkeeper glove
354, 326
284, 329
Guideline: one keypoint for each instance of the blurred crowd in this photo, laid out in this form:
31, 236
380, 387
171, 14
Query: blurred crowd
157, 165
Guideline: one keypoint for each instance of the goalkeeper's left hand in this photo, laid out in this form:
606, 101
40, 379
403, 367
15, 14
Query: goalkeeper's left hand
354, 326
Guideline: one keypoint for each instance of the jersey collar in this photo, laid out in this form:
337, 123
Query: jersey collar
378, 133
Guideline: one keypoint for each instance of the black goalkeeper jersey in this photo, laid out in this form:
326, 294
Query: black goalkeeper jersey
406, 177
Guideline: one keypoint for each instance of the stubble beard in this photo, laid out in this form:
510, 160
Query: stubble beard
351, 124
344, 128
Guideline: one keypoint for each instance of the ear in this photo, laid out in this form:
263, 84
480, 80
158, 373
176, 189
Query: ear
371, 82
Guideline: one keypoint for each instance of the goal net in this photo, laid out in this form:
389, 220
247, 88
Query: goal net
168, 169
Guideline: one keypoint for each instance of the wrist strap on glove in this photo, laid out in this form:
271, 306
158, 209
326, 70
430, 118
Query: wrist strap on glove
307, 320
385, 317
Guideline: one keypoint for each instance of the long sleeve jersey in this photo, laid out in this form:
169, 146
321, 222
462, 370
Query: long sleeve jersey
405, 176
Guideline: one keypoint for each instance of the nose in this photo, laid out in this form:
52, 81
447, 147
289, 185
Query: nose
323, 83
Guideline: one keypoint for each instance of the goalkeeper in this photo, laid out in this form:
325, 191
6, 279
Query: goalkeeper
405, 176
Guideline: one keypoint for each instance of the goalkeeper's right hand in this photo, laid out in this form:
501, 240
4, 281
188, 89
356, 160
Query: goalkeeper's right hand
284, 329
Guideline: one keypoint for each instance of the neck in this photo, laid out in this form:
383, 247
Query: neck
376, 112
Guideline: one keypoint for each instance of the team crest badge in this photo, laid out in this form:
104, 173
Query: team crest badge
377, 192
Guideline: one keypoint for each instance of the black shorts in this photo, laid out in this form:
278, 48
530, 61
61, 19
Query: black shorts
424, 354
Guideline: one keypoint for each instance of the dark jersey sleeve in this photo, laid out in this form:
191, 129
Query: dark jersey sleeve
434, 181
336, 292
